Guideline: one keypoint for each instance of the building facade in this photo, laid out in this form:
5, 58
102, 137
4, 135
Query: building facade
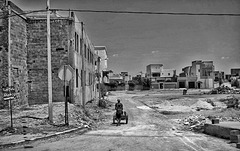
70, 45
235, 71
199, 75
13, 52
161, 78
101, 51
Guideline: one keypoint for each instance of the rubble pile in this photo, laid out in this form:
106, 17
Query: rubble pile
194, 122
231, 102
225, 90
202, 105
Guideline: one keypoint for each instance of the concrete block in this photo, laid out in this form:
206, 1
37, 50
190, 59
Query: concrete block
235, 138
215, 121
238, 145
234, 132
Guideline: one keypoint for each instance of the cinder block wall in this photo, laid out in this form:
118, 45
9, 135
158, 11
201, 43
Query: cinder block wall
37, 58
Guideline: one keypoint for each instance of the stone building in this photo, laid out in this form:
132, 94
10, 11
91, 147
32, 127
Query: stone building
70, 45
13, 51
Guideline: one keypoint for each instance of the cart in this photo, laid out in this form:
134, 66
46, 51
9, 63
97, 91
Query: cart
123, 117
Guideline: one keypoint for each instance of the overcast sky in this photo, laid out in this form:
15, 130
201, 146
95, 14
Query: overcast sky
134, 41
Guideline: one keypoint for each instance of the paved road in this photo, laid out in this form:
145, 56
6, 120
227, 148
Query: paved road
146, 130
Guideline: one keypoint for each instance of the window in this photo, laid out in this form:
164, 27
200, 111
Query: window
206, 72
76, 42
156, 74
85, 50
81, 46
76, 78
81, 77
88, 55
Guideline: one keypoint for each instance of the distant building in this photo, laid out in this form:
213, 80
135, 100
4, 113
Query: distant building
161, 78
235, 71
199, 75
219, 78
116, 78
101, 51
235, 77
153, 71
125, 76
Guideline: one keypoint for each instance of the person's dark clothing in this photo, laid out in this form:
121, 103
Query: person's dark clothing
118, 106
119, 110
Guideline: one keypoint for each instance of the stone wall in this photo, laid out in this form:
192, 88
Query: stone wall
3, 53
37, 58
18, 54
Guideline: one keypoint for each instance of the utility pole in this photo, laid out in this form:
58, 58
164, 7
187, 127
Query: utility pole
99, 83
65, 92
9, 59
9, 47
83, 68
50, 105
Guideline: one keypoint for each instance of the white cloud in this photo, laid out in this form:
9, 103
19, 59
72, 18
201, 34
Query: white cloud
115, 55
223, 58
155, 51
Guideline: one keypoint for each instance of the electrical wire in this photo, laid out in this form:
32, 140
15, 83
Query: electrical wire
2, 16
147, 12
126, 12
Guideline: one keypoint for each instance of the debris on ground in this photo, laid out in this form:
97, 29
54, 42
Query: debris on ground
202, 105
194, 122
225, 90
231, 101
34, 119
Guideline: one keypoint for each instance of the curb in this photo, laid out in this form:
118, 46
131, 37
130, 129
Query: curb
83, 130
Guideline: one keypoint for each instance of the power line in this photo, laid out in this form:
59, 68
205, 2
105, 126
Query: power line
125, 12
147, 12
24, 13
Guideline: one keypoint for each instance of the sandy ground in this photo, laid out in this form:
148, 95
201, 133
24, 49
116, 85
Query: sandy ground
148, 128
32, 121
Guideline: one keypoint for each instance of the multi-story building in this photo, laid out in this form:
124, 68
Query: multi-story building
26, 39
199, 75
235, 71
101, 51
13, 52
113, 77
153, 72
161, 78
235, 77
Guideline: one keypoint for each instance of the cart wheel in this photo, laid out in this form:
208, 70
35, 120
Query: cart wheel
126, 119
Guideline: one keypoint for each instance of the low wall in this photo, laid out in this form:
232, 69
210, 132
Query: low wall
221, 130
